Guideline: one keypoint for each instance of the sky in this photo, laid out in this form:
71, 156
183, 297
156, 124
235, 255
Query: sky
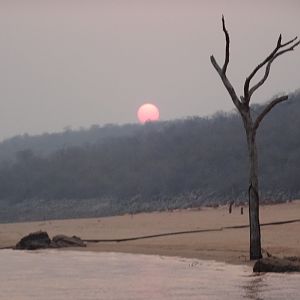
71, 63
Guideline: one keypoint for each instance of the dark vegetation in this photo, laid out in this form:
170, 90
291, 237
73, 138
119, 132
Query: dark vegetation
126, 169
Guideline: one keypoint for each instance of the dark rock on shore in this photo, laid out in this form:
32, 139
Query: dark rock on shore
41, 240
61, 241
276, 264
35, 240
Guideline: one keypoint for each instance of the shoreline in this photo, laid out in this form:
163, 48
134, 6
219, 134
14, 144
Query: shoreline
206, 234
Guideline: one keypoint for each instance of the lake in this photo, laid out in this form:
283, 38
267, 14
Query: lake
63, 275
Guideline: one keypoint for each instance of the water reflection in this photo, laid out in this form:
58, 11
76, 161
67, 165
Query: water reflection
273, 286
58, 275
254, 287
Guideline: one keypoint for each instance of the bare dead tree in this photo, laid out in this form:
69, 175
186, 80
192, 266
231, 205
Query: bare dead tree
252, 124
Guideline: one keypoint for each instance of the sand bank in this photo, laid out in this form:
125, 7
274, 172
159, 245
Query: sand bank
229, 245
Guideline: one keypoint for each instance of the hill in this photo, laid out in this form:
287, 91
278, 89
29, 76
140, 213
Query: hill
114, 169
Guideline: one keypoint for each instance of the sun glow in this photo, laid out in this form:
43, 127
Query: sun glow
148, 113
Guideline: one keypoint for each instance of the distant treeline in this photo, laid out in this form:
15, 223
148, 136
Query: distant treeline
125, 169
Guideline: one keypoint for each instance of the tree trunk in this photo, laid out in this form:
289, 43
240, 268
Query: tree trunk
255, 240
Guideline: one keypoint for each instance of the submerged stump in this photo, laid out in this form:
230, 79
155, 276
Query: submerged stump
277, 265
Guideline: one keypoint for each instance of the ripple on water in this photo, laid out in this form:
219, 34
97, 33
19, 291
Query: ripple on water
75, 275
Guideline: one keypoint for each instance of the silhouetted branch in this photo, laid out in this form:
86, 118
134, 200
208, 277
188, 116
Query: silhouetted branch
289, 42
226, 83
222, 71
226, 62
269, 60
267, 109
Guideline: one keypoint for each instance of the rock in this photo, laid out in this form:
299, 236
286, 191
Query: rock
293, 258
61, 241
35, 240
41, 240
276, 264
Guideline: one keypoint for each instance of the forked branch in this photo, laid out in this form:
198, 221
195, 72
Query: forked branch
267, 109
248, 92
222, 71
243, 104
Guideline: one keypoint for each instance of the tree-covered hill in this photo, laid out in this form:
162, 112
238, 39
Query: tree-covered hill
117, 169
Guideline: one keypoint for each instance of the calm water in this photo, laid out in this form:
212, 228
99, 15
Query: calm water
111, 276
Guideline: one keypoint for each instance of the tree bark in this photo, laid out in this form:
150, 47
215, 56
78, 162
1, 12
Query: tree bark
253, 194
255, 238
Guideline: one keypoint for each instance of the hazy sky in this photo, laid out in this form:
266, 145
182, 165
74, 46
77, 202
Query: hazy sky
77, 63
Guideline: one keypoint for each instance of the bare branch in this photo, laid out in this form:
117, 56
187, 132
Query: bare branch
268, 60
268, 67
226, 62
288, 49
279, 41
267, 109
248, 79
226, 83
222, 71
262, 81
289, 42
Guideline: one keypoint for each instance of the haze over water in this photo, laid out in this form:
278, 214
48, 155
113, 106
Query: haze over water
87, 275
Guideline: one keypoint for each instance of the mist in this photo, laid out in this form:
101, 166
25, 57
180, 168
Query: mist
73, 63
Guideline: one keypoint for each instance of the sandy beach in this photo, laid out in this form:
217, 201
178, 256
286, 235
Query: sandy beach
229, 245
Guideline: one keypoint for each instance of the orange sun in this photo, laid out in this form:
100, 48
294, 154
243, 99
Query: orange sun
148, 113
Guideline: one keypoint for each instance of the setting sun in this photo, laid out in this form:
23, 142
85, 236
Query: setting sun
148, 112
